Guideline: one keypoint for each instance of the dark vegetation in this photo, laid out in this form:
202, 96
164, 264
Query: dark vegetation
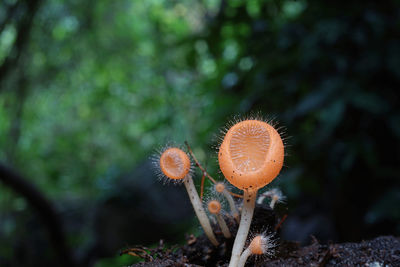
88, 89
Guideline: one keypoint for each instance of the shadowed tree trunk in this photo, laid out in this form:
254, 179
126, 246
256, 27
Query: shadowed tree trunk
45, 210
23, 28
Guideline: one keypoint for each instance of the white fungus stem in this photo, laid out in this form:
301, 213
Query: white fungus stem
223, 226
249, 200
262, 197
232, 206
246, 253
273, 202
199, 210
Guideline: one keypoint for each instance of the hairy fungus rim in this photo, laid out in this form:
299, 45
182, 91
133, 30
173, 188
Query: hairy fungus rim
256, 245
174, 163
219, 187
267, 171
214, 206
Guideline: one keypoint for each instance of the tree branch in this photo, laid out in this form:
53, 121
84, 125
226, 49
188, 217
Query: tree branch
44, 208
23, 32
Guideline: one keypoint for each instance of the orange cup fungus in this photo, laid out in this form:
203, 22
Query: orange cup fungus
219, 187
260, 245
257, 246
214, 206
174, 163
251, 154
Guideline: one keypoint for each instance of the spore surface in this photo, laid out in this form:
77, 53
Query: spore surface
172, 164
249, 146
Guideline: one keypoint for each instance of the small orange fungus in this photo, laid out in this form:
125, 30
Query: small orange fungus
251, 154
260, 245
214, 206
219, 187
257, 246
174, 163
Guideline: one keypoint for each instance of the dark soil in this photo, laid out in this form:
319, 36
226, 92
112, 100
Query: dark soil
198, 251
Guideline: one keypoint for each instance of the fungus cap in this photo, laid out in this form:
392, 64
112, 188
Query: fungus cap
214, 206
174, 163
261, 244
219, 187
257, 246
251, 154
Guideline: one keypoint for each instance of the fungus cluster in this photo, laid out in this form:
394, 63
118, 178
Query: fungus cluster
175, 164
250, 156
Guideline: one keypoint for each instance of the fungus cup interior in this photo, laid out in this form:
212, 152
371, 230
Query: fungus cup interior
219, 187
214, 206
256, 246
251, 154
174, 163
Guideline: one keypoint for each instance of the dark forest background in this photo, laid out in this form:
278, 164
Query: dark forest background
89, 89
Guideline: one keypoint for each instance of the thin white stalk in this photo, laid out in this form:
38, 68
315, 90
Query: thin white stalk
262, 197
273, 202
246, 253
223, 226
232, 206
199, 210
249, 201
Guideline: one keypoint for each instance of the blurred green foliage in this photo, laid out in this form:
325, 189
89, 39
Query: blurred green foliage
98, 85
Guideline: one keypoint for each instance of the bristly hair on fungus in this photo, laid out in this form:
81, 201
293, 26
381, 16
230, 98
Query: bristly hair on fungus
215, 208
221, 188
250, 156
174, 164
261, 244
